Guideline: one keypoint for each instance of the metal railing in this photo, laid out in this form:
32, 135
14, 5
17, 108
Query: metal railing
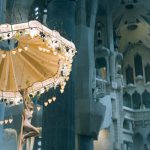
100, 90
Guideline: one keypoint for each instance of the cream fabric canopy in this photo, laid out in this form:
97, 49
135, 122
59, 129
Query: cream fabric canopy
41, 58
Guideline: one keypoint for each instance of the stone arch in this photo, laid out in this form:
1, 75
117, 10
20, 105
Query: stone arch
146, 99
127, 100
129, 75
126, 124
147, 73
136, 99
138, 65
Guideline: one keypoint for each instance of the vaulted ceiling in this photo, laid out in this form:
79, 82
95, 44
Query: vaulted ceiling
132, 23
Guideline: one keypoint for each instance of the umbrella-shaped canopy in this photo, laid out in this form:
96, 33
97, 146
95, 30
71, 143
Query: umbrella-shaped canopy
33, 57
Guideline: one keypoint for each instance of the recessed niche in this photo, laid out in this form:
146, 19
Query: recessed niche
132, 26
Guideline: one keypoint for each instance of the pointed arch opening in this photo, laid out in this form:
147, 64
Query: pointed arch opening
127, 100
147, 73
138, 65
129, 75
136, 99
146, 99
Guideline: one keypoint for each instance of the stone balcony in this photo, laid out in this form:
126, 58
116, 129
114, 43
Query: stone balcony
136, 115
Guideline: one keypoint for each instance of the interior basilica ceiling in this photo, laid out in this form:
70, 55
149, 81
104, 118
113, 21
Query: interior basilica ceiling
131, 21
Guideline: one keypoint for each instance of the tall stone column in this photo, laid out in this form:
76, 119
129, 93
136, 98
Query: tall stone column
2, 10
58, 118
110, 40
89, 113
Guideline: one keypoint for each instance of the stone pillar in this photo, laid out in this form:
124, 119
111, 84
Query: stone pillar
20, 11
85, 142
89, 114
2, 111
112, 66
2, 10
110, 42
58, 118
61, 17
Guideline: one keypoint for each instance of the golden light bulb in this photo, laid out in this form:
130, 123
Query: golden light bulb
61, 91
13, 52
67, 78
55, 53
40, 48
50, 100
25, 48
31, 111
38, 108
54, 98
6, 121
48, 51
10, 120
62, 87
19, 50
45, 103
3, 55
44, 49
64, 83
1, 122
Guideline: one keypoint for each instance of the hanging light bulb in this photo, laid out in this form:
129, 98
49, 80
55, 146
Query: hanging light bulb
33, 33
67, 78
48, 51
31, 111
54, 98
62, 87
13, 52
3, 55
61, 90
36, 9
10, 120
55, 52
19, 50
38, 108
44, 50
64, 83
6, 121
40, 48
45, 103
1, 122
25, 48
50, 100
